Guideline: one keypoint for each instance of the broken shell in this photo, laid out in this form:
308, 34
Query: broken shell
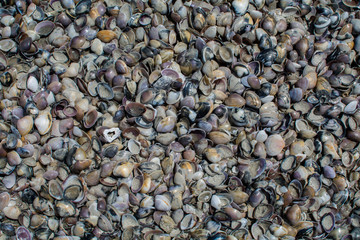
90, 118
197, 119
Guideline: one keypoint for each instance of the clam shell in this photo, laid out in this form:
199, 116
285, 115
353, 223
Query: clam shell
134, 146
240, 6
65, 208
44, 28
219, 137
135, 109
25, 125
288, 164
7, 44
55, 189
105, 91
90, 118
293, 214
162, 203
5, 199
274, 145
128, 221
106, 35
166, 125
43, 122
328, 222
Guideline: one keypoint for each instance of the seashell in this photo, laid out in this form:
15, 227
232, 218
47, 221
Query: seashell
44, 28
134, 146
225, 55
235, 100
6, 45
293, 214
6, 79
328, 222
10, 180
77, 42
340, 182
43, 122
111, 134
252, 99
106, 35
219, 137
187, 222
267, 57
135, 109
123, 170
65, 208
240, 6
25, 125
128, 221
23, 233
32, 84
257, 167
274, 145
167, 223
55, 189
90, 118
5, 199
166, 125
220, 201
173, 97
351, 107
83, 6
180, 114
13, 158
162, 203
278, 230
105, 224
288, 163
12, 211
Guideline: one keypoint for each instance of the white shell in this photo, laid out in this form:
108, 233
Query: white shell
32, 84
111, 134
216, 202
261, 136
147, 202
351, 107
9, 181
240, 6
274, 145
12, 211
7, 20
6, 45
134, 146
97, 47
72, 70
129, 221
162, 203
43, 122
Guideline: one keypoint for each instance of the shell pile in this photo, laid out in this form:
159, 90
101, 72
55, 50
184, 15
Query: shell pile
175, 119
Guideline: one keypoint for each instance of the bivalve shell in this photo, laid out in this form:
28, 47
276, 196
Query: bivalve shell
43, 122
274, 145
